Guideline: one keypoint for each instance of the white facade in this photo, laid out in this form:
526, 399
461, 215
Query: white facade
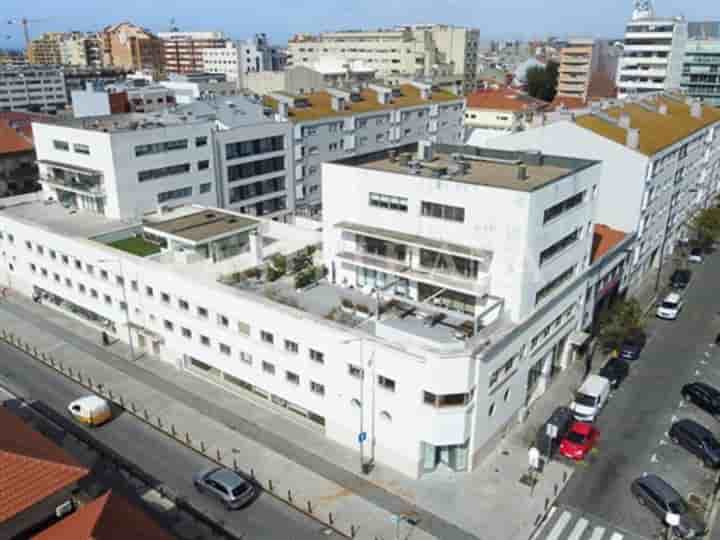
224, 60
32, 88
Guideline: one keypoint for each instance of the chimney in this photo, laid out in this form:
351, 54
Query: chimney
663, 109
633, 138
696, 109
624, 120
522, 172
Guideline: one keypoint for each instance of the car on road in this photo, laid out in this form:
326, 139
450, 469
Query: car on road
662, 499
670, 307
703, 396
680, 278
696, 255
698, 440
578, 442
590, 398
93, 411
615, 370
227, 486
562, 419
632, 345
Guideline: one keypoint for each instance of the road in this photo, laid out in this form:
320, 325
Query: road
634, 424
157, 454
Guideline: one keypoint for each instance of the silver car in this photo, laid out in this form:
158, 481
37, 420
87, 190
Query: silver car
228, 486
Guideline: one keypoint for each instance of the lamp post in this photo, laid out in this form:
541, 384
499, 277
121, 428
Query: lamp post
125, 301
361, 433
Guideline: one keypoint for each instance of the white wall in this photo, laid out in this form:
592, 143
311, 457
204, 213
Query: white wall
90, 103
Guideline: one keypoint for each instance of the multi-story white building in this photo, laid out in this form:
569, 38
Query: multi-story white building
332, 124
701, 70
661, 161
654, 49
477, 261
237, 59
32, 88
425, 50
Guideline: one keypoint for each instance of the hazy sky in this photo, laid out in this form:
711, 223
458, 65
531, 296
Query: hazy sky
281, 18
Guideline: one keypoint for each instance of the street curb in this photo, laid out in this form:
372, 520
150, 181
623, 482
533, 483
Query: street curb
33, 353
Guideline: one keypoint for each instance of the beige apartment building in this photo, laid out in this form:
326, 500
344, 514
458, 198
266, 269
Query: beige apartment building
67, 49
587, 67
133, 48
45, 50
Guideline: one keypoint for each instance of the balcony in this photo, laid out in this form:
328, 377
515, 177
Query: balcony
74, 185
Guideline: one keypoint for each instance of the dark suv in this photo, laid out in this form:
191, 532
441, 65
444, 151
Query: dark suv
633, 345
660, 497
697, 440
680, 278
562, 417
703, 395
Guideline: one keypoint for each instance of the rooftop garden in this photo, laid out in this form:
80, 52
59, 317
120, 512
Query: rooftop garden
136, 245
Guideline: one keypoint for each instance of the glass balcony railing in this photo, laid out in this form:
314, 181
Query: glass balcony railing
73, 184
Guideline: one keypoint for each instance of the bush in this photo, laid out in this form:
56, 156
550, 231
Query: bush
252, 273
300, 262
347, 303
272, 274
303, 279
362, 308
279, 262
623, 320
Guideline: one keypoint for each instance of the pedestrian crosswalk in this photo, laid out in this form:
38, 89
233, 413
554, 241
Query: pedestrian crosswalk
567, 523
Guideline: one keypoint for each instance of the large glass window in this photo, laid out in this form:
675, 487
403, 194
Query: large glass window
442, 211
449, 264
253, 147
255, 168
380, 200
383, 248
563, 206
554, 284
174, 194
161, 147
162, 172
562, 244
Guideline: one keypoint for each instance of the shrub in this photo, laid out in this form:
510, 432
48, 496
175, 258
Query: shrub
362, 308
279, 262
252, 273
347, 303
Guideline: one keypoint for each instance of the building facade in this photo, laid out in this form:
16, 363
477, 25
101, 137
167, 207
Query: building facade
130, 47
585, 65
701, 70
503, 109
183, 51
46, 49
32, 89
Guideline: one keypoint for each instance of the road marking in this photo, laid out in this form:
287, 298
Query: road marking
617, 536
654, 459
579, 529
663, 442
560, 525
697, 372
598, 533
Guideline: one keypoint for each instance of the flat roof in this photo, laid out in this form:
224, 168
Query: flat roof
202, 224
320, 103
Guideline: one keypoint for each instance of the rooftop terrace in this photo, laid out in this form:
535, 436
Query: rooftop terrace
199, 225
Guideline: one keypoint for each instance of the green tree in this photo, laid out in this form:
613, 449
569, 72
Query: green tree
624, 319
542, 81
706, 225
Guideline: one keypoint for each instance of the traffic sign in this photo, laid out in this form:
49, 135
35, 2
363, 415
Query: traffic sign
362, 437
551, 430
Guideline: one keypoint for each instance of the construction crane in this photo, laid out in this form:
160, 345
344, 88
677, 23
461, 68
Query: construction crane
26, 28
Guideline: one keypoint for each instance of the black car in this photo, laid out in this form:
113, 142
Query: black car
662, 499
680, 278
703, 395
633, 345
562, 417
697, 440
615, 370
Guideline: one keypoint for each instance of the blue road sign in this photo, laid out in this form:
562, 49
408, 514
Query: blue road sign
362, 437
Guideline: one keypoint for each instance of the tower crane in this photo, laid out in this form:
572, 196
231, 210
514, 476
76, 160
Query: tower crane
25, 22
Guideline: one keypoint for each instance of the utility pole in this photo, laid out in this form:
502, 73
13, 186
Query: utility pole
125, 301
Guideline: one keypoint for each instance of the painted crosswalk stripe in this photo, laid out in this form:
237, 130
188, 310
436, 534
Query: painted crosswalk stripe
617, 536
579, 529
560, 525
598, 533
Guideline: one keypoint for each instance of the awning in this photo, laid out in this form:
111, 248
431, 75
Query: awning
579, 338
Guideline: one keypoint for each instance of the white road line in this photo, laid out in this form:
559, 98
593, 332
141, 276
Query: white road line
579, 529
617, 536
560, 525
598, 533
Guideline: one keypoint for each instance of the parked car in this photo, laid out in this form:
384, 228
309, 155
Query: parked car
225, 485
615, 370
680, 278
91, 410
702, 395
579, 441
562, 418
670, 307
633, 345
697, 440
662, 499
590, 398
696, 255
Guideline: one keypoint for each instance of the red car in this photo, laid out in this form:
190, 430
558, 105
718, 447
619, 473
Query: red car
579, 440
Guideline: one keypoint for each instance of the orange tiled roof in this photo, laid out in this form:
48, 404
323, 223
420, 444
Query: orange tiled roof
12, 142
109, 517
604, 239
32, 467
568, 103
504, 99
22, 121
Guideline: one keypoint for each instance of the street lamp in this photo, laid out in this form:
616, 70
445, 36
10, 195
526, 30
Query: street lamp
125, 301
365, 467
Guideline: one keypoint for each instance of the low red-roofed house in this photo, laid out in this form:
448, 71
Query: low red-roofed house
504, 109
18, 173
36, 476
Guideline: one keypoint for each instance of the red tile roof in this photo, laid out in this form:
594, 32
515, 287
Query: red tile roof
604, 239
22, 121
12, 142
31, 466
504, 99
109, 517
567, 103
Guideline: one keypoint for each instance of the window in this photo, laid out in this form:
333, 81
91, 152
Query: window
559, 246
442, 211
491, 410
165, 297
120, 281
267, 337
506, 395
355, 402
563, 206
291, 377
134, 285
40, 249
68, 282
255, 168
65, 259
162, 172
225, 349
149, 291
332, 147
385, 415
222, 320
291, 346
180, 193
206, 188
81, 149
186, 333
269, 368
448, 400
204, 340
317, 356
246, 357
81, 288
56, 277
161, 147
93, 293
202, 312
104, 275
386, 383
61, 145
168, 325
33, 267
200, 141
28, 244
203, 165
355, 371
554, 284
89, 268
243, 328
78, 265
254, 147
317, 388
184, 305
107, 299
380, 200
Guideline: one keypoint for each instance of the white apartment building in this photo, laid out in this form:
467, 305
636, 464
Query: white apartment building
224, 60
332, 124
32, 89
419, 50
653, 55
661, 161
239, 58
477, 257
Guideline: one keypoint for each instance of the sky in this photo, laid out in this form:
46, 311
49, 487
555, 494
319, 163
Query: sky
511, 19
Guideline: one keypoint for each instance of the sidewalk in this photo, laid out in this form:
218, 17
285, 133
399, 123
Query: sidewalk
489, 503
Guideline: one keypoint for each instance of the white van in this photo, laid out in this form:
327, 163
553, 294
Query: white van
670, 307
590, 398
91, 410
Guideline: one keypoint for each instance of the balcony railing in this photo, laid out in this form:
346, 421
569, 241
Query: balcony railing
74, 185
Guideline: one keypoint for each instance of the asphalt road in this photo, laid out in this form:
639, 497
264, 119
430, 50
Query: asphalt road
634, 423
157, 454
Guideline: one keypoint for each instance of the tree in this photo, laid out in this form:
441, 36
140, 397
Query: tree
542, 81
706, 225
623, 320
